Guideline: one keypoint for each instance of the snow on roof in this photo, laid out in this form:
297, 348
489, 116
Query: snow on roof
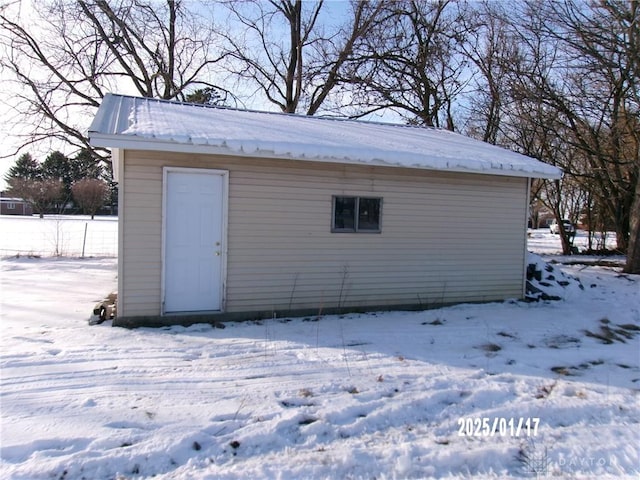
151, 124
11, 200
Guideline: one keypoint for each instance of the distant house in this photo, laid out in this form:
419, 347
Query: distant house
230, 214
541, 217
14, 206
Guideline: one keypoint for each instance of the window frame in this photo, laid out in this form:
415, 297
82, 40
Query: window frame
356, 220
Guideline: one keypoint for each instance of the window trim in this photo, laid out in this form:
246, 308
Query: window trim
356, 219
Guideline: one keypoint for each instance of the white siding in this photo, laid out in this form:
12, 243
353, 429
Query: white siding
446, 237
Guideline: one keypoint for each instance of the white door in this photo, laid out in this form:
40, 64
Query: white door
195, 203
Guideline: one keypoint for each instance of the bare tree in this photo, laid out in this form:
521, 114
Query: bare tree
491, 50
274, 63
536, 133
633, 255
576, 64
597, 99
39, 193
289, 56
66, 55
410, 63
90, 194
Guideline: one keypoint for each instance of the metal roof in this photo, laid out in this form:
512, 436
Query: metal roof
126, 122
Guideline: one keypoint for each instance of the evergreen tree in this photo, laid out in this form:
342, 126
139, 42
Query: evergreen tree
57, 167
25, 168
206, 96
86, 164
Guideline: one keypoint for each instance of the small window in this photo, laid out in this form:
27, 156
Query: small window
11, 206
356, 214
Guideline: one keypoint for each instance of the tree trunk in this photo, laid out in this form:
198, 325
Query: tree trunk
633, 248
554, 196
564, 239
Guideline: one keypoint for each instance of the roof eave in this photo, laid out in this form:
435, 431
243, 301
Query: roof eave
132, 142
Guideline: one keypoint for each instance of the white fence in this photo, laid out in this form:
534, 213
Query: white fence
59, 235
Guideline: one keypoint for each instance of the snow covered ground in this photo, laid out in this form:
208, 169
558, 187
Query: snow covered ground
542, 242
382, 395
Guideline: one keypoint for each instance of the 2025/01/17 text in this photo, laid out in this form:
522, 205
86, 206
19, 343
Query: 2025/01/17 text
498, 426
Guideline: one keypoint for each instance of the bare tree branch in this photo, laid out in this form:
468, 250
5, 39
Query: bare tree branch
69, 56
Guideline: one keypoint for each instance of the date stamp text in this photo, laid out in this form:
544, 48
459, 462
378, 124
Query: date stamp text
498, 427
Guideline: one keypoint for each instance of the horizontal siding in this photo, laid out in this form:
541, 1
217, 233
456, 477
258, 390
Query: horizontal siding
445, 237
141, 229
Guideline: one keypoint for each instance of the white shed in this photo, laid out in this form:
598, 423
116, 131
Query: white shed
235, 214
